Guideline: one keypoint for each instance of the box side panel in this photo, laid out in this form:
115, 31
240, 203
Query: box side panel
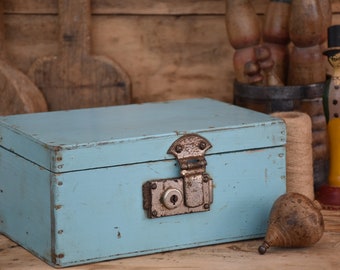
25, 214
27, 146
101, 217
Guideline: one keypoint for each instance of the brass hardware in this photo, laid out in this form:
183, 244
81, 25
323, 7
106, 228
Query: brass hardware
192, 192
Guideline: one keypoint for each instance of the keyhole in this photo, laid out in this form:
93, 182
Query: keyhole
174, 199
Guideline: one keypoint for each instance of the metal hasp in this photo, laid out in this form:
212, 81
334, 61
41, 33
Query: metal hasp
192, 192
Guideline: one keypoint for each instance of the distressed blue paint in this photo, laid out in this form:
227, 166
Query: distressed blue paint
90, 209
100, 137
25, 208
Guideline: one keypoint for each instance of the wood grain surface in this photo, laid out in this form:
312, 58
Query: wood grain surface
238, 255
171, 49
74, 78
17, 92
164, 7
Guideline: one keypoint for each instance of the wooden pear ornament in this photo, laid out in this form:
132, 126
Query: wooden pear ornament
295, 221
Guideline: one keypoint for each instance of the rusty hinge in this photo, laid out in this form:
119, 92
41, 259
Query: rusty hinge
192, 192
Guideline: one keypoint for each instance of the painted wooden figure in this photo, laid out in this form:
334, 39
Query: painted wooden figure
329, 195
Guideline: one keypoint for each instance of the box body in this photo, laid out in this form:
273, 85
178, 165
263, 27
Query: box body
71, 181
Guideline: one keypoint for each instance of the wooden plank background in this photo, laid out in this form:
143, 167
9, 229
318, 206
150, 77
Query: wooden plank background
171, 49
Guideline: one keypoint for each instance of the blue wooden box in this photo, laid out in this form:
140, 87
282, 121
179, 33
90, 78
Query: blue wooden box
98, 184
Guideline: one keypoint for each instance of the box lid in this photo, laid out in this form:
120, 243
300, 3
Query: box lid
63, 141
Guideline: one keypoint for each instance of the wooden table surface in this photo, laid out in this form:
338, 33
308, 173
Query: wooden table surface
238, 255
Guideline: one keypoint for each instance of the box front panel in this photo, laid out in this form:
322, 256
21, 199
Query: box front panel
99, 213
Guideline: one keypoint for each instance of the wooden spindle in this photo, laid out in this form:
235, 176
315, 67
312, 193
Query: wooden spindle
243, 29
305, 31
276, 35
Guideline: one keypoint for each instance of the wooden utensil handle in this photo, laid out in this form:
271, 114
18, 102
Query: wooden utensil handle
74, 20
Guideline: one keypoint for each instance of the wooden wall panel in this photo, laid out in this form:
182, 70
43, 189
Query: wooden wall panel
130, 7
170, 48
146, 7
166, 57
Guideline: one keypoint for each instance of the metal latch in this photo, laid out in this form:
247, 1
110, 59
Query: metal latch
192, 192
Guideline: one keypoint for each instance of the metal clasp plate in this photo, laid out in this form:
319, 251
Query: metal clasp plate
192, 192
